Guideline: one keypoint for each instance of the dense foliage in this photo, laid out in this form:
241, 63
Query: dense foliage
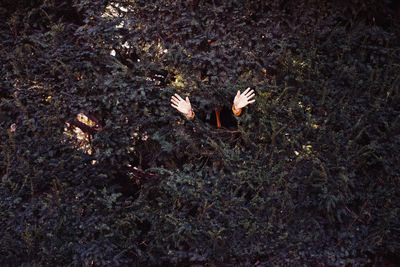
98, 169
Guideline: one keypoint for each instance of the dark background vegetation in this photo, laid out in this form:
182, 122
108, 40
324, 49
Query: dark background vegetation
97, 169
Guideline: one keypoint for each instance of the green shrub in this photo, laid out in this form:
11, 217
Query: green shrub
98, 169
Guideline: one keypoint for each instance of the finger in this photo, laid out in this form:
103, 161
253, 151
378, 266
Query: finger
187, 100
176, 107
246, 91
252, 101
249, 93
179, 97
238, 93
176, 102
250, 96
175, 99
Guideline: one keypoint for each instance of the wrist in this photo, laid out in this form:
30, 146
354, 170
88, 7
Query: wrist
236, 111
190, 114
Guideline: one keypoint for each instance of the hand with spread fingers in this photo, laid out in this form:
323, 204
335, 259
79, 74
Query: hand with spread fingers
242, 100
183, 106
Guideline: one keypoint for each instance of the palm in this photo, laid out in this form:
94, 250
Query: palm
183, 106
242, 100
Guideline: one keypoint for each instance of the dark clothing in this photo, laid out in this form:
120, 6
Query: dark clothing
220, 117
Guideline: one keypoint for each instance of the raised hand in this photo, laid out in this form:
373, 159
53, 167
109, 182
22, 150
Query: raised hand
183, 106
242, 100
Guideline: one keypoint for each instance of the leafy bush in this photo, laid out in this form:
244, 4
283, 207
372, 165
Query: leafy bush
98, 169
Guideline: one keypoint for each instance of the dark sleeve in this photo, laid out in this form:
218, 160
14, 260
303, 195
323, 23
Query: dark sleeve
200, 119
228, 119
